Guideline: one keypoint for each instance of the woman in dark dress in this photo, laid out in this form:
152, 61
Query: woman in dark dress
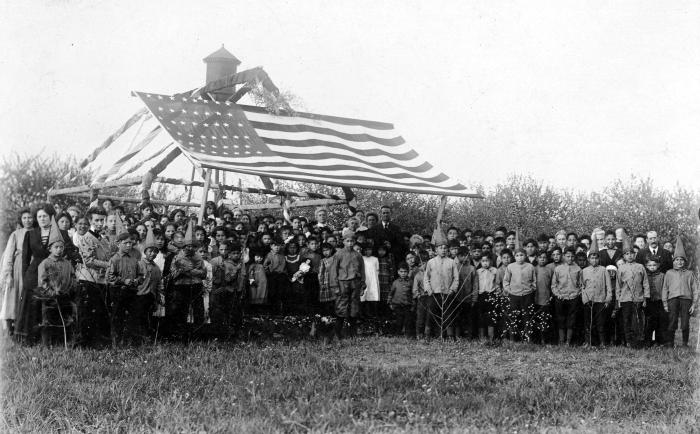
35, 250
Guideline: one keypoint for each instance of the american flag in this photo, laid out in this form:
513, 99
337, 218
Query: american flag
300, 147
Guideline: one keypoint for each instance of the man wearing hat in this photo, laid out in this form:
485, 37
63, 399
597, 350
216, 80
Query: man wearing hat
679, 294
186, 273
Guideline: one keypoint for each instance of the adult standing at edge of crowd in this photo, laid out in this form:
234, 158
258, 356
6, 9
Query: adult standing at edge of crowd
11, 273
653, 249
35, 250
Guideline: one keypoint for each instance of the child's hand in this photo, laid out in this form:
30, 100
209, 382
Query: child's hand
691, 310
391, 306
666, 308
607, 305
644, 303
127, 282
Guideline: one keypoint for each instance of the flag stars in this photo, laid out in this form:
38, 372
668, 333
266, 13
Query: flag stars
216, 124
172, 111
258, 152
205, 124
194, 123
247, 152
225, 125
172, 98
218, 113
224, 137
184, 99
227, 102
184, 111
206, 113
213, 137
245, 137
160, 96
235, 146
247, 146
160, 109
191, 135
235, 137
236, 153
229, 114
197, 113
148, 95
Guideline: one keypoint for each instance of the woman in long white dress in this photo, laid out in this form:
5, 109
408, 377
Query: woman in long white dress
11, 270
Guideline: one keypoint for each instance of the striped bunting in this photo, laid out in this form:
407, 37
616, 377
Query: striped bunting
304, 147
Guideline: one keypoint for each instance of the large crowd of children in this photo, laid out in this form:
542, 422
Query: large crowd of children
110, 277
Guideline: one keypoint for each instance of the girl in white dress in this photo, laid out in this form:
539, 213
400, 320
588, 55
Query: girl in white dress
370, 299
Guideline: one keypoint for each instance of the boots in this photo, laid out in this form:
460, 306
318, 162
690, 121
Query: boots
562, 336
686, 336
569, 335
338, 328
601, 339
353, 327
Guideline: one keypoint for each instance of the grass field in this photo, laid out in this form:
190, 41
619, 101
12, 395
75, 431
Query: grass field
365, 384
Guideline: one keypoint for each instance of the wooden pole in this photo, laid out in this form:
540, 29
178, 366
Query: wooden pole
189, 193
441, 210
205, 193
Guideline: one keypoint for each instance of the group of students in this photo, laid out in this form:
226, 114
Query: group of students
105, 277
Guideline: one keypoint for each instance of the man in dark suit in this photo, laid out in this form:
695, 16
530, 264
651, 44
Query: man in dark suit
386, 230
653, 249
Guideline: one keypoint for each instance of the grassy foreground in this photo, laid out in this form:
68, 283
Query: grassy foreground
365, 384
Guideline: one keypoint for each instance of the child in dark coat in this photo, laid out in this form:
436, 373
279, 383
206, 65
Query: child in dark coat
400, 301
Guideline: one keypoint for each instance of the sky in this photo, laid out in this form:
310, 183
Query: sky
573, 93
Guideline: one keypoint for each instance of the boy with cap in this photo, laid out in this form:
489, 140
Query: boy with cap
228, 288
656, 323
347, 275
420, 298
520, 285
566, 288
679, 294
275, 265
148, 291
123, 276
466, 297
596, 295
632, 293
56, 288
187, 272
441, 278
400, 301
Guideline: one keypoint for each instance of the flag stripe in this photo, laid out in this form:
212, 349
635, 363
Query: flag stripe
143, 113
269, 128
374, 125
364, 182
315, 148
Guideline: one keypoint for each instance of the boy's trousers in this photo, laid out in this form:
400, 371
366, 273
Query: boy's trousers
519, 313
679, 308
348, 303
121, 299
632, 321
566, 311
93, 319
594, 322
185, 297
403, 319
137, 325
656, 322
422, 315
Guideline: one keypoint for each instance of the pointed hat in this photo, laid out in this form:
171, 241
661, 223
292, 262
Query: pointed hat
679, 251
594, 243
189, 235
54, 233
150, 240
517, 239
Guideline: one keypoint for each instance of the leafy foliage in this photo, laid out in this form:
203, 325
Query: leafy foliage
25, 179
